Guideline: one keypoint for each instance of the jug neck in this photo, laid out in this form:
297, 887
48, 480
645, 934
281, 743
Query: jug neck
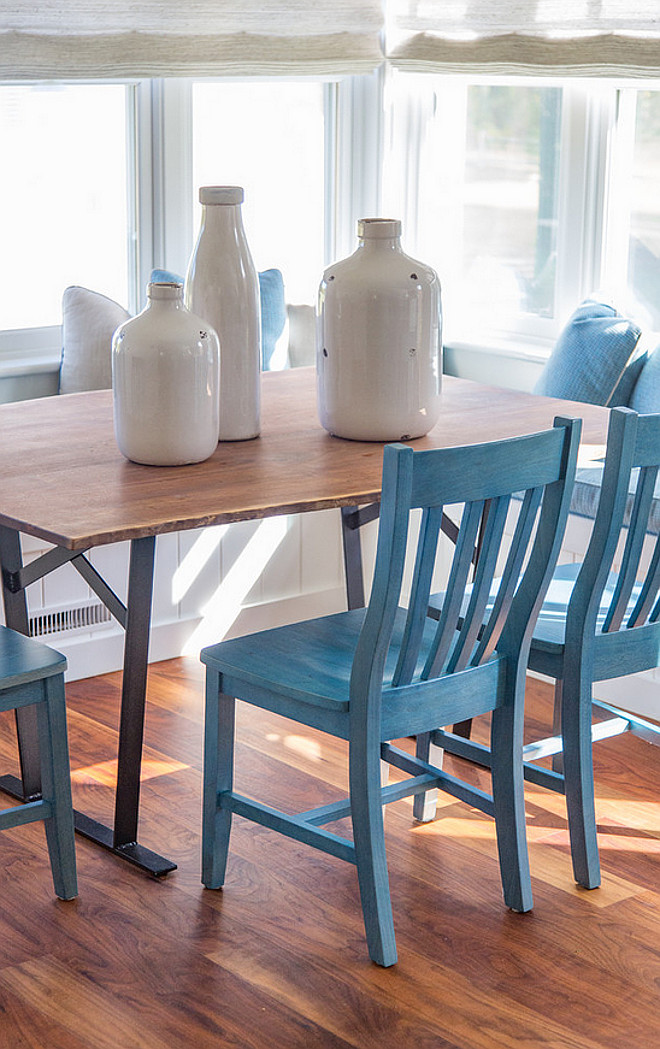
165, 295
379, 235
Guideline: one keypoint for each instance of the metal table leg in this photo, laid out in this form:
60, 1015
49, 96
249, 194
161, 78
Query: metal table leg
135, 619
123, 840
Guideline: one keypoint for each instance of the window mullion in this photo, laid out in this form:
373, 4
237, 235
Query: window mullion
358, 156
163, 165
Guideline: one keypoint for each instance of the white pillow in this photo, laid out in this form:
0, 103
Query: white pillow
302, 335
89, 321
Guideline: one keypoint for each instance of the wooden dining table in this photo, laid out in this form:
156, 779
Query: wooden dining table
65, 481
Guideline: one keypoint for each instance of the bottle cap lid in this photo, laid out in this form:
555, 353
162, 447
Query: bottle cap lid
373, 229
165, 290
221, 194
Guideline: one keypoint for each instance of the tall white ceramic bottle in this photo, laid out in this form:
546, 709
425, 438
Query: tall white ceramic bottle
165, 369
379, 340
222, 286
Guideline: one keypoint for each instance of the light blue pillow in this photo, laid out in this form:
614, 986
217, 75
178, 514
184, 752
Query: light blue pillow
273, 307
590, 355
273, 313
645, 397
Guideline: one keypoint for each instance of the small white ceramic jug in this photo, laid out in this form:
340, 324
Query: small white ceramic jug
165, 369
379, 340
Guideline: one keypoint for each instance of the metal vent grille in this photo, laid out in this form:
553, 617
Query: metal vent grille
63, 620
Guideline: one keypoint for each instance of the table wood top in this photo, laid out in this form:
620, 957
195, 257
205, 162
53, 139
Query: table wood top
65, 480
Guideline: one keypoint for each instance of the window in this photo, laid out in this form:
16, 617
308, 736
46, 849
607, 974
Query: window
103, 186
268, 138
527, 196
640, 112
64, 197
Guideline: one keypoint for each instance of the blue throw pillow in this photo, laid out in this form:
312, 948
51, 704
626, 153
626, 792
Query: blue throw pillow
645, 397
273, 313
273, 307
590, 355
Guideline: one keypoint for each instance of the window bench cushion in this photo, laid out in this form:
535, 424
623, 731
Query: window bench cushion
586, 494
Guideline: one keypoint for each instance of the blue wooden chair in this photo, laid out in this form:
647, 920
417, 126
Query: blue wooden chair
32, 674
595, 623
386, 672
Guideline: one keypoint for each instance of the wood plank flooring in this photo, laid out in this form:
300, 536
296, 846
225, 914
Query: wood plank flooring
278, 958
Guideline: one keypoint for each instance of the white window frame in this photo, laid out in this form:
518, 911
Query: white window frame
360, 136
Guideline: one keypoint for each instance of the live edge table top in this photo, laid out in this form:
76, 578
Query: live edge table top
63, 478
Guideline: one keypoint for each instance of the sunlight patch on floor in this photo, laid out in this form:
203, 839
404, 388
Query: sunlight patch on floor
105, 772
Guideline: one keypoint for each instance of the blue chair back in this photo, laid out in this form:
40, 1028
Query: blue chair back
627, 497
475, 619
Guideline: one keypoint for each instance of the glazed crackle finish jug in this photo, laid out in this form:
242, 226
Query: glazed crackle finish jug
222, 286
379, 340
165, 370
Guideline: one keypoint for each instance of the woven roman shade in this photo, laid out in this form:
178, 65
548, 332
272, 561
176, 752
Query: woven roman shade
123, 38
563, 37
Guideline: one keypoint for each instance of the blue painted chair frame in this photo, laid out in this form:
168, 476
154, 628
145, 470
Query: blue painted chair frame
32, 675
383, 673
596, 623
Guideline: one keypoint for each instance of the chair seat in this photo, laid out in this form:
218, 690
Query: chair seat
308, 662
586, 494
23, 659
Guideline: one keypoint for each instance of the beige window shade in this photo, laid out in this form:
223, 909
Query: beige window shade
578, 37
123, 38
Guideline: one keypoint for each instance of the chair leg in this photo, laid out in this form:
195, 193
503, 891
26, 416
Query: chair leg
509, 802
56, 787
219, 726
579, 779
557, 759
371, 860
425, 805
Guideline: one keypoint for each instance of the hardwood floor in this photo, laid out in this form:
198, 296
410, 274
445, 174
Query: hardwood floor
278, 958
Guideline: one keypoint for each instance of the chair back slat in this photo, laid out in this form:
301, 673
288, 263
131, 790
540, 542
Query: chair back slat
632, 552
420, 591
445, 633
510, 576
644, 610
472, 624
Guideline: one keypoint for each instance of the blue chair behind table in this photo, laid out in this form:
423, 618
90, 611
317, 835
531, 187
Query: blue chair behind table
33, 675
273, 308
386, 672
596, 623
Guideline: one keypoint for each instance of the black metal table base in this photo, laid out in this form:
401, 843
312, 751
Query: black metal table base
135, 618
97, 832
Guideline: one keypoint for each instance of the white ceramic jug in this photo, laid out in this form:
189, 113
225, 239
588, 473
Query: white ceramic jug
379, 341
165, 369
222, 286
